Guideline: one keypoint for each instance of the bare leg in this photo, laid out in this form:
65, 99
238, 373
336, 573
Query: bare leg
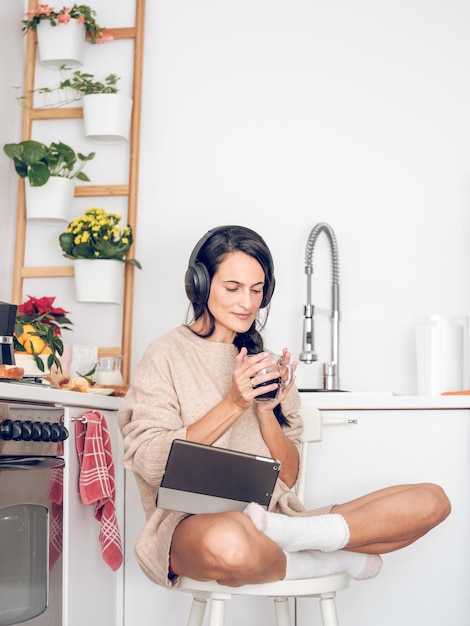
225, 547
379, 522
394, 517
229, 549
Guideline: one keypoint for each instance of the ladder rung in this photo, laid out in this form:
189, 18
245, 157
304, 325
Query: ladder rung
87, 191
57, 113
121, 33
116, 351
56, 271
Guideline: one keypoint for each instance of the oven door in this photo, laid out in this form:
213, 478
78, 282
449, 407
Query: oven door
24, 540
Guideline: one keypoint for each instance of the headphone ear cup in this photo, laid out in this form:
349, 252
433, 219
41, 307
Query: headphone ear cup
197, 283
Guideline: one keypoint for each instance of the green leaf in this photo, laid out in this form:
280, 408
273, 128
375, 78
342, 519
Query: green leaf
134, 262
38, 174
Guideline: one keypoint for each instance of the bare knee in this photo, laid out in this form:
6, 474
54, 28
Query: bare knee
227, 548
437, 503
233, 547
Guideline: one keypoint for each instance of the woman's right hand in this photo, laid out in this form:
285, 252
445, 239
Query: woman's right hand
242, 390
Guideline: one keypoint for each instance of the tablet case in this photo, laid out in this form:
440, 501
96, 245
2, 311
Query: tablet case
206, 479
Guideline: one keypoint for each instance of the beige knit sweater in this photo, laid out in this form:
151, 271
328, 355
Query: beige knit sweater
179, 379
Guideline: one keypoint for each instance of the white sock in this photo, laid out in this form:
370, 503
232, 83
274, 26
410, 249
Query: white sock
326, 532
311, 563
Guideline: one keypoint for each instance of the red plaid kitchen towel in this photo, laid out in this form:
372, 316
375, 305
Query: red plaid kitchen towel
55, 495
96, 482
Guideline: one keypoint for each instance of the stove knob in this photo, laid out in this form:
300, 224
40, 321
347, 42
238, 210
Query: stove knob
16, 430
5, 430
26, 430
64, 433
36, 431
55, 432
46, 432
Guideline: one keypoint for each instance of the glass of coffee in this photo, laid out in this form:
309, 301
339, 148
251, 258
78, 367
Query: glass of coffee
272, 370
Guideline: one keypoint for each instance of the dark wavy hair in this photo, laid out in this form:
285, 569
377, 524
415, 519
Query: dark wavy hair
224, 241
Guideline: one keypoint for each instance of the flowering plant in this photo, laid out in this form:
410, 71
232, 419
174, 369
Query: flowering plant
80, 12
96, 235
38, 329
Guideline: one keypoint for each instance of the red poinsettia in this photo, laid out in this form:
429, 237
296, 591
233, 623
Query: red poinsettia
42, 310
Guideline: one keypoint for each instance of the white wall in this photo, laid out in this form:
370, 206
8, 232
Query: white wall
280, 115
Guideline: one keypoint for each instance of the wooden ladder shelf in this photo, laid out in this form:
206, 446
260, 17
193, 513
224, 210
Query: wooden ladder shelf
30, 114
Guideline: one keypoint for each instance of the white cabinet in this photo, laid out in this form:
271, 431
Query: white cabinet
427, 582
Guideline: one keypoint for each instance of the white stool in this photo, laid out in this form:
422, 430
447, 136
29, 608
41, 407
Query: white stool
323, 587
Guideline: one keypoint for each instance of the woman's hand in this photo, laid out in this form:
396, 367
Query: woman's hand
242, 391
268, 405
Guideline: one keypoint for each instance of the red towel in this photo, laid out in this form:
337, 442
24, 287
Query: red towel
96, 482
55, 495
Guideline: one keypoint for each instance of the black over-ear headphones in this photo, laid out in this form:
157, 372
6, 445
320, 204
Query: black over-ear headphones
197, 281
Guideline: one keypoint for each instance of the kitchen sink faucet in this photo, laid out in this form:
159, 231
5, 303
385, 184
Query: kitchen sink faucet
308, 354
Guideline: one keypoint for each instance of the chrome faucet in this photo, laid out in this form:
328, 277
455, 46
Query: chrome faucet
308, 354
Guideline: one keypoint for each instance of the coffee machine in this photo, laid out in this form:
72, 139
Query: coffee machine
7, 327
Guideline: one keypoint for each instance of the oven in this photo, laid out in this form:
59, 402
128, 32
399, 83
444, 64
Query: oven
31, 487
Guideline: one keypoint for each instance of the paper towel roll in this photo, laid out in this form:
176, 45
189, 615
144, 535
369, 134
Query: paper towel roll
440, 356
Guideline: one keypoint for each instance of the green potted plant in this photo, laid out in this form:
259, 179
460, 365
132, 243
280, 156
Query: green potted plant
106, 113
62, 33
98, 247
37, 162
86, 84
37, 339
50, 172
73, 86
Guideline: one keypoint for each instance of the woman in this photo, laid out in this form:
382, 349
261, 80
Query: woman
195, 382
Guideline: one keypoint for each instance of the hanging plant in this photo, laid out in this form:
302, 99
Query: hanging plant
73, 86
37, 162
80, 12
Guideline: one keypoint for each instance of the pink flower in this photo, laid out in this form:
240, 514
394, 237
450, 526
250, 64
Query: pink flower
81, 19
64, 17
41, 9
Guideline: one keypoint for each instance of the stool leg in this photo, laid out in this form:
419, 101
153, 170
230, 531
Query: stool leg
196, 615
281, 609
217, 612
328, 610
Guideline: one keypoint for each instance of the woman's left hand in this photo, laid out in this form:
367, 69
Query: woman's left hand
268, 405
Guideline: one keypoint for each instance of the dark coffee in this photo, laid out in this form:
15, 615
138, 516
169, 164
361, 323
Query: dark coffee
269, 395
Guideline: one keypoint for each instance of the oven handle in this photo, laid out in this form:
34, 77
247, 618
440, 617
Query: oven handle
30, 462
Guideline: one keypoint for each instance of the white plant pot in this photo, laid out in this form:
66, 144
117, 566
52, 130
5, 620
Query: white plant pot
52, 202
100, 280
63, 44
28, 363
107, 117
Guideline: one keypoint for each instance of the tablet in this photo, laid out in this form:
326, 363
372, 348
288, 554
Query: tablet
206, 479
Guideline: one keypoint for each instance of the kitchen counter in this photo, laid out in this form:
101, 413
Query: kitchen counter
44, 394
350, 401
329, 400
